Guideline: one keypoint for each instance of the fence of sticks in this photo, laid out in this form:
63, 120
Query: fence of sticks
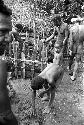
31, 60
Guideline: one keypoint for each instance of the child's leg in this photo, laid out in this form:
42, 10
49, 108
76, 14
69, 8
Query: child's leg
48, 108
46, 86
71, 61
52, 97
33, 101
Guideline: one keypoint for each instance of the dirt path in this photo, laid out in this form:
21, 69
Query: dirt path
68, 107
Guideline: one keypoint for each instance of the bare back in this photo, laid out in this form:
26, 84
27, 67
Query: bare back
51, 73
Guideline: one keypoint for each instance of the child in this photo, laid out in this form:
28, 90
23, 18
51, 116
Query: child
50, 77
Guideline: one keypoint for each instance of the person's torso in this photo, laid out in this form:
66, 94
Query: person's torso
51, 72
4, 97
61, 33
4, 100
77, 32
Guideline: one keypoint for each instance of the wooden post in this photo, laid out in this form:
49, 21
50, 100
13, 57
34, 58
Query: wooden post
15, 57
23, 60
32, 68
38, 42
35, 47
14, 44
83, 77
46, 53
10, 53
34, 28
43, 53
38, 47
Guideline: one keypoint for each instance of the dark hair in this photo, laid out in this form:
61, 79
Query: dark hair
19, 26
4, 9
56, 19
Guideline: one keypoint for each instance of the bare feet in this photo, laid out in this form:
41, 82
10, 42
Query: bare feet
32, 112
73, 78
47, 110
45, 98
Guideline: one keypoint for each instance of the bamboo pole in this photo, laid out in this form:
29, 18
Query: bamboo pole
34, 28
83, 78
15, 57
23, 56
14, 43
10, 54
43, 53
35, 47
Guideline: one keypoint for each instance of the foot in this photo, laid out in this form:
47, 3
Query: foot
45, 99
73, 78
33, 112
68, 68
47, 110
71, 73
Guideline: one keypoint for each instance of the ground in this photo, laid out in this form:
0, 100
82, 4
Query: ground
68, 106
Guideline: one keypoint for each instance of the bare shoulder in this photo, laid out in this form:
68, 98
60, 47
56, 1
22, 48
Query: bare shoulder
49, 68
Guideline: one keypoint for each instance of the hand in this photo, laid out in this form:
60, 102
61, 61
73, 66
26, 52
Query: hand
70, 52
43, 40
47, 110
63, 42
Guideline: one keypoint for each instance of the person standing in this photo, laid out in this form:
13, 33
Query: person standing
6, 115
62, 33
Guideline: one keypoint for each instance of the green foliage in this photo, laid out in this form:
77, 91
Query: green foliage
42, 7
40, 11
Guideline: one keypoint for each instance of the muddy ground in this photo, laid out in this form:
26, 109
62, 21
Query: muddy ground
68, 106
